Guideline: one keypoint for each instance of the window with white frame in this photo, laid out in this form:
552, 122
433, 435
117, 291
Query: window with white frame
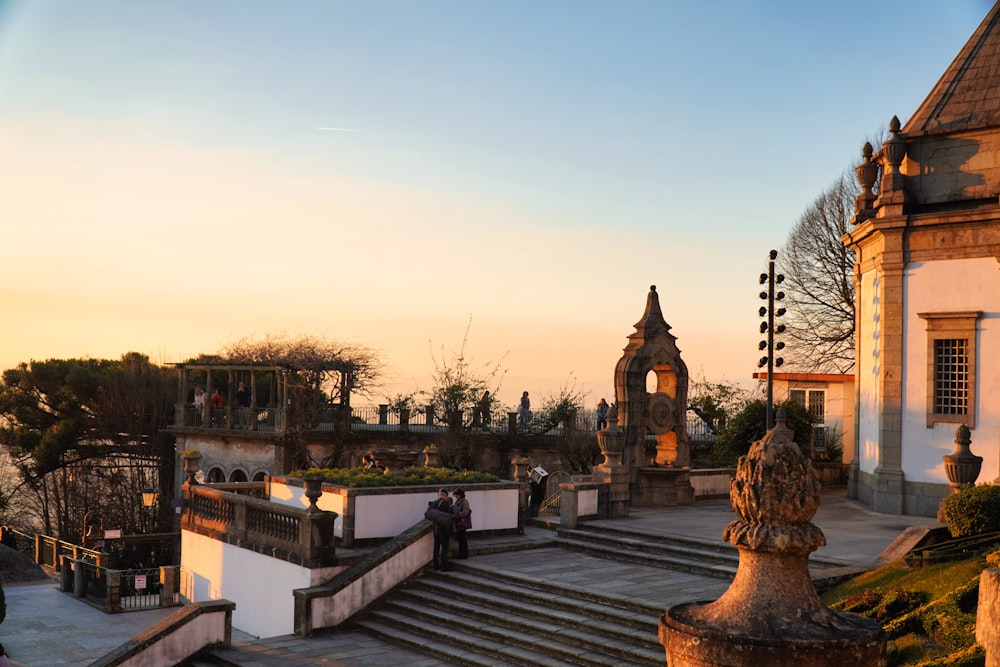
813, 400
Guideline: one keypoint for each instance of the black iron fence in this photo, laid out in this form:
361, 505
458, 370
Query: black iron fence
116, 591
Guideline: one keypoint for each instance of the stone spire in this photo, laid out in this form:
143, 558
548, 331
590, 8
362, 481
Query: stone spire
652, 323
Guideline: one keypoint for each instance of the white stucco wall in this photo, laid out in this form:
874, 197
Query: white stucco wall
260, 586
950, 286
388, 515
866, 373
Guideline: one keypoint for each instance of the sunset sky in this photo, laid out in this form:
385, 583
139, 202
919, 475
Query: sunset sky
175, 176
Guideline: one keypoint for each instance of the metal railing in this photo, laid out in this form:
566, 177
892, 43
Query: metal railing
115, 591
382, 418
49, 550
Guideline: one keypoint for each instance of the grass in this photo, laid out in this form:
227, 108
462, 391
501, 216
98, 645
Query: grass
929, 613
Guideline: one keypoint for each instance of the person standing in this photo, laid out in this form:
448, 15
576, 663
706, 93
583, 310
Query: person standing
463, 522
216, 402
242, 396
525, 410
442, 531
602, 415
484, 409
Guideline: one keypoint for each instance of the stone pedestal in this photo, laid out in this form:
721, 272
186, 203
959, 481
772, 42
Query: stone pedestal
611, 472
771, 615
664, 487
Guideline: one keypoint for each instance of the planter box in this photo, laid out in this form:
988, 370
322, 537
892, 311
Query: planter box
373, 514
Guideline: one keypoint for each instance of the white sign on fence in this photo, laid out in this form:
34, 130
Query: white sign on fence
140, 582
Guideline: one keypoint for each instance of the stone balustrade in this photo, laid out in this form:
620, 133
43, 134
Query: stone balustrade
290, 533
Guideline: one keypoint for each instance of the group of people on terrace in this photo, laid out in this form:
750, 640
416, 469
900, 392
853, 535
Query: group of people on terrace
449, 516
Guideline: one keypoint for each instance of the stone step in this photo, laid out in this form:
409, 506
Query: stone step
533, 641
515, 579
683, 549
451, 652
566, 603
601, 627
486, 645
703, 563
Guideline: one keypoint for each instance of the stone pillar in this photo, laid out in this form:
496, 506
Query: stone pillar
168, 584
576, 499
79, 583
113, 591
988, 616
771, 615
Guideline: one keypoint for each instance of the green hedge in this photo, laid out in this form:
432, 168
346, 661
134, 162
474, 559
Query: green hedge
974, 510
412, 476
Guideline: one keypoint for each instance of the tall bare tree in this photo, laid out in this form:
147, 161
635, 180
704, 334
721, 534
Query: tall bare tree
819, 285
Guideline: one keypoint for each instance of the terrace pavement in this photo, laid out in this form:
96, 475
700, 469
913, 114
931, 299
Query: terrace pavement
47, 628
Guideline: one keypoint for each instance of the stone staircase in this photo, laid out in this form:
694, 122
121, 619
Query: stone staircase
708, 558
474, 616
478, 616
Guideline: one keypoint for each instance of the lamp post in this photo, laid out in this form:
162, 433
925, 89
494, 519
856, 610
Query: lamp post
768, 327
149, 497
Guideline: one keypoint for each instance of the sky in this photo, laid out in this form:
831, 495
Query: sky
415, 176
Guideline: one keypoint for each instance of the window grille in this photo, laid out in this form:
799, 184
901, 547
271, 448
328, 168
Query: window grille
951, 376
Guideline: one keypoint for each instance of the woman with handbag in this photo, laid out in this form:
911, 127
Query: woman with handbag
463, 522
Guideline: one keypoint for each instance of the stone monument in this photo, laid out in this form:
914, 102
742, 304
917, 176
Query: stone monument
652, 349
771, 615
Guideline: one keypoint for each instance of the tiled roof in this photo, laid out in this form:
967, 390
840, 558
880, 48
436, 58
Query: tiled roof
968, 95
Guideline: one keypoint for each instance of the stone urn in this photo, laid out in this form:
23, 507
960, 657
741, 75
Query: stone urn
612, 440
771, 616
192, 464
313, 491
431, 457
962, 466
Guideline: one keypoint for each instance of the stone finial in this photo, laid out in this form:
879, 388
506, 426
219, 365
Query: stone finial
962, 466
775, 494
867, 174
771, 614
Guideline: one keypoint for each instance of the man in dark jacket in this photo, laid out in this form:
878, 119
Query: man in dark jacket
442, 530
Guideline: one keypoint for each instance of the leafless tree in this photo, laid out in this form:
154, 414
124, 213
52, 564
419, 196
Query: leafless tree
819, 286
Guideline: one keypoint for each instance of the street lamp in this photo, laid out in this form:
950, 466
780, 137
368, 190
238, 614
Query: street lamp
149, 497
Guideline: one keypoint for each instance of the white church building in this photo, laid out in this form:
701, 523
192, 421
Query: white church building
926, 235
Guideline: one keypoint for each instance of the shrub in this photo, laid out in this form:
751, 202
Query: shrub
747, 427
974, 510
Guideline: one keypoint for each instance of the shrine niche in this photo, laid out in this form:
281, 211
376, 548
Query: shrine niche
652, 360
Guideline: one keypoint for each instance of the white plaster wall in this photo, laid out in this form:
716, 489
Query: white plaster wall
388, 515
867, 371
948, 286
333, 610
295, 496
260, 586
587, 500
175, 647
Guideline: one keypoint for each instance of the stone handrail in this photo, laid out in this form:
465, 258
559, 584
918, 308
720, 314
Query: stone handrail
280, 531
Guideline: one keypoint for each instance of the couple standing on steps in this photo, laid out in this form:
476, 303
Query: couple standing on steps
449, 516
